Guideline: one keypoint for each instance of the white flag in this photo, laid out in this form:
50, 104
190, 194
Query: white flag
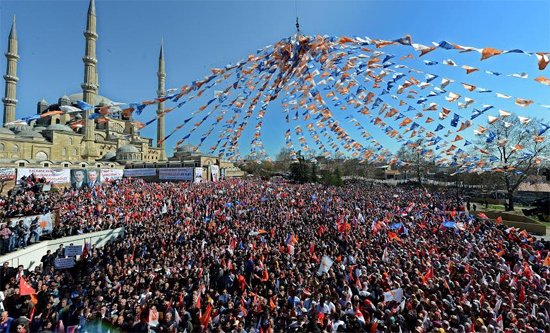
326, 263
393, 295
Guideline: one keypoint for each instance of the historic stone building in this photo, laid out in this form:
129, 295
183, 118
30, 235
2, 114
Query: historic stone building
61, 134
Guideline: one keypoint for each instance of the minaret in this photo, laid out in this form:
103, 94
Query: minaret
90, 85
161, 92
11, 78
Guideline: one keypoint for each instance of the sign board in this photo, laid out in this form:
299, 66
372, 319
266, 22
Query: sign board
7, 173
73, 250
56, 176
198, 175
63, 263
176, 174
108, 175
215, 172
139, 172
45, 225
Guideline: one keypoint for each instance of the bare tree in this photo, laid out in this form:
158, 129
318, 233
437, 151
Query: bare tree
517, 147
414, 158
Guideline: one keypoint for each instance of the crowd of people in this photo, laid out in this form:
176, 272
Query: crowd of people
269, 256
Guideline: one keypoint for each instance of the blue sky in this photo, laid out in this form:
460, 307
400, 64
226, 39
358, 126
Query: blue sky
199, 35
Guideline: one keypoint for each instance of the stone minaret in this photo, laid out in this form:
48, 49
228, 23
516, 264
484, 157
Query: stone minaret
161, 92
90, 85
11, 78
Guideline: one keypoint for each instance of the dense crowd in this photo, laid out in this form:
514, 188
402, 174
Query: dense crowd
257, 256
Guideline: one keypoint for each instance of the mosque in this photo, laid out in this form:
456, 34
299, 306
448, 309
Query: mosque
62, 135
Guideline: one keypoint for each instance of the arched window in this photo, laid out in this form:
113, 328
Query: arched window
41, 156
64, 151
2, 147
15, 148
70, 141
75, 151
57, 121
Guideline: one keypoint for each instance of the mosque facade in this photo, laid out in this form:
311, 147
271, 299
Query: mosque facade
62, 135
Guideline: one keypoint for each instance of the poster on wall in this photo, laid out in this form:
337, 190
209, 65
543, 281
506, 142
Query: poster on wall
94, 178
55, 176
176, 174
7, 173
78, 178
139, 172
108, 175
215, 173
198, 175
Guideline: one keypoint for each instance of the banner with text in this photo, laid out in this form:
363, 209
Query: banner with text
56, 176
139, 172
198, 175
7, 173
176, 174
108, 175
215, 172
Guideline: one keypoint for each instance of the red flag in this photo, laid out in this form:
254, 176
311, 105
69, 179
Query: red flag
498, 220
521, 297
393, 236
265, 275
483, 216
206, 316
198, 305
85, 251
25, 288
429, 274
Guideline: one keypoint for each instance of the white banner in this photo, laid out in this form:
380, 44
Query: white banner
62, 263
56, 176
176, 174
139, 172
326, 264
73, 250
215, 172
108, 175
198, 175
393, 295
7, 173
45, 225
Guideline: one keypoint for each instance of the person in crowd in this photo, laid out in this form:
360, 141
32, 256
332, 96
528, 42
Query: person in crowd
270, 256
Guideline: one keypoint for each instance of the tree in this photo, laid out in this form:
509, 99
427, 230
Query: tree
300, 170
517, 147
313, 172
416, 162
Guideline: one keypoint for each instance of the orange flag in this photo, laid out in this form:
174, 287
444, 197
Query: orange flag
543, 80
488, 52
393, 236
546, 261
498, 220
429, 274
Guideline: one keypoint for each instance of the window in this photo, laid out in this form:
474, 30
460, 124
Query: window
65, 165
57, 121
83, 165
98, 165
46, 165
64, 151
41, 156
71, 141
15, 148
75, 151
1, 147
21, 164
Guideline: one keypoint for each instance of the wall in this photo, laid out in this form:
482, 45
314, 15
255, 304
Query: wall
30, 257
516, 221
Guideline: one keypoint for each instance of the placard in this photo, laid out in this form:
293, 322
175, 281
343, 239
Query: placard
7, 173
176, 174
139, 172
63, 263
56, 176
198, 175
215, 173
108, 175
73, 250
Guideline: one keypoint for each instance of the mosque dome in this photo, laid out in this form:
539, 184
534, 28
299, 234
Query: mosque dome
188, 148
5, 131
29, 133
39, 128
59, 127
20, 128
127, 149
109, 156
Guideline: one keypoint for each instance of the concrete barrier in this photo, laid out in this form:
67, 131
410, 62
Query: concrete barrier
517, 221
30, 256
